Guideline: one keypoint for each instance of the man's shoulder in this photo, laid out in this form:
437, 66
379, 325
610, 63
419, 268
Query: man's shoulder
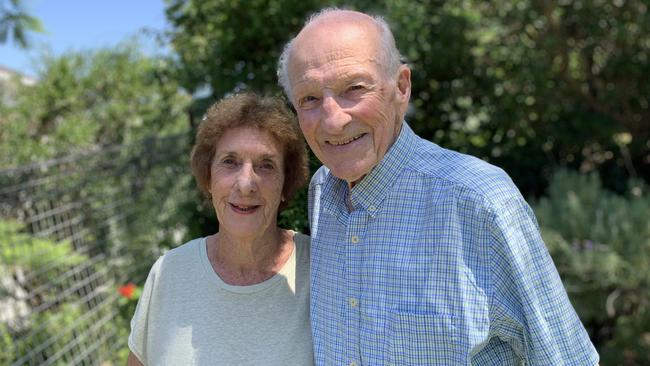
464, 172
439, 167
320, 176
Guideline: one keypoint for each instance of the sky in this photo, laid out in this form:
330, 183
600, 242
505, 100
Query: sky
77, 25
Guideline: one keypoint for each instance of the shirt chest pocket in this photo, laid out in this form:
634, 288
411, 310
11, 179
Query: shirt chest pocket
423, 339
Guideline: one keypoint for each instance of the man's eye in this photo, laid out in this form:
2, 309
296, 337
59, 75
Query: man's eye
307, 101
355, 88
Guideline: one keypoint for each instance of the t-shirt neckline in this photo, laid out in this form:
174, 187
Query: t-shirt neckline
214, 278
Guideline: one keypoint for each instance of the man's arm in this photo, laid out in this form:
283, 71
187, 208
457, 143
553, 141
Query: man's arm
529, 299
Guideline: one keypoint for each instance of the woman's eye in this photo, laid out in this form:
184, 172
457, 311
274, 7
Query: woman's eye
229, 162
267, 166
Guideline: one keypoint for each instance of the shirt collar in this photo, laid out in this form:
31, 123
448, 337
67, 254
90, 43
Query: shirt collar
371, 190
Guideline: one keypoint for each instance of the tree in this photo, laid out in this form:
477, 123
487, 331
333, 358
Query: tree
15, 23
86, 100
532, 85
229, 46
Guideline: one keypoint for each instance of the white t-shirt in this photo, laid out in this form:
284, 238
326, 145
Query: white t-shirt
187, 315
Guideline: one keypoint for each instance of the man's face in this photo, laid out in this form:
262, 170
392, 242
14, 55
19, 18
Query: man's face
349, 111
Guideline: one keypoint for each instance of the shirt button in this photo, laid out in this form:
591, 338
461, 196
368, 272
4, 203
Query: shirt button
372, 208
353, 363
355, 239
353, 302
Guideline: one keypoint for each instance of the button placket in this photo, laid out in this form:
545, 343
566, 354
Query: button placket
354, 302
357, 222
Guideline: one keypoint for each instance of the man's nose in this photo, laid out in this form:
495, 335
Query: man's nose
334, 116
246, 181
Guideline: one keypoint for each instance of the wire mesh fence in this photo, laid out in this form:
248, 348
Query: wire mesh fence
72, 231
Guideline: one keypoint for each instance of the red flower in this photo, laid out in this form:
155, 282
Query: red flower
127, 290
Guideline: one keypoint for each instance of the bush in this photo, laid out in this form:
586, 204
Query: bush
20, 249
6, 346
600, 242
32, 271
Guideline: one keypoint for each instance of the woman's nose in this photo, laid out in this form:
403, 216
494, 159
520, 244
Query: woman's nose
246, 179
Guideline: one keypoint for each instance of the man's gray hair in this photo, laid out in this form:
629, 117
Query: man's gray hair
389, 57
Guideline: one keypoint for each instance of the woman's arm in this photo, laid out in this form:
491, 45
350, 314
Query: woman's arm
133, 361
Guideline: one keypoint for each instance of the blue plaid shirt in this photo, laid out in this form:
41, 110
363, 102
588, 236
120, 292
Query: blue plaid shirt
434, 258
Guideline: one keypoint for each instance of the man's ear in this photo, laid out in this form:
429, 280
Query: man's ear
403, 91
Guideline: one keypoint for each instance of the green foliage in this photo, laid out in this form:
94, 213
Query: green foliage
42, 260
16, 23
531, 85
82, 100
121, 207
600, 243
18, 248
59, 332
226, 46
7, 351
294, 216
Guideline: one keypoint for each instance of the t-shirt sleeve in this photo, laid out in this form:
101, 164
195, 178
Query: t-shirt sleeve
139, 323
530, 309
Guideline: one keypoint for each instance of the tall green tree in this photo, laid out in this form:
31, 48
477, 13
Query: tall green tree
16, 23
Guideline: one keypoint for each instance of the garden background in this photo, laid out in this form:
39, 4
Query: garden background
95, 182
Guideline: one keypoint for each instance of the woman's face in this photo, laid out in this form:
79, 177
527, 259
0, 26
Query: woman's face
246, 181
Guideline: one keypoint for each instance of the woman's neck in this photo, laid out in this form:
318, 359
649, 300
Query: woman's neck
247, 261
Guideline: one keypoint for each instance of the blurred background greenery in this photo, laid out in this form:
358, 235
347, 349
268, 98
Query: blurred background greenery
551, 91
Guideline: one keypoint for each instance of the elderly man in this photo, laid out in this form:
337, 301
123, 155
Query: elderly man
420, 255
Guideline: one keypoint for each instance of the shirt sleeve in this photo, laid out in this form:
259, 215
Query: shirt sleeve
139, 323
529, 307
313, 199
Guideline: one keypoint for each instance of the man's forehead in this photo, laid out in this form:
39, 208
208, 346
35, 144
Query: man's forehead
328, 43
340, 18
335, 66
339, 24
314, 56
333, 76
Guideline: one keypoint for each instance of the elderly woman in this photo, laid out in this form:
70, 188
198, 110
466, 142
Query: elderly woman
240, 296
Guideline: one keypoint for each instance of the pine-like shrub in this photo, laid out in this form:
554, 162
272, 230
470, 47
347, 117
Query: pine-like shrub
600, 243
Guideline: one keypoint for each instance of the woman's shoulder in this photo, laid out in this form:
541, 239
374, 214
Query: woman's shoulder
186, 254
186, 248
177, 267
